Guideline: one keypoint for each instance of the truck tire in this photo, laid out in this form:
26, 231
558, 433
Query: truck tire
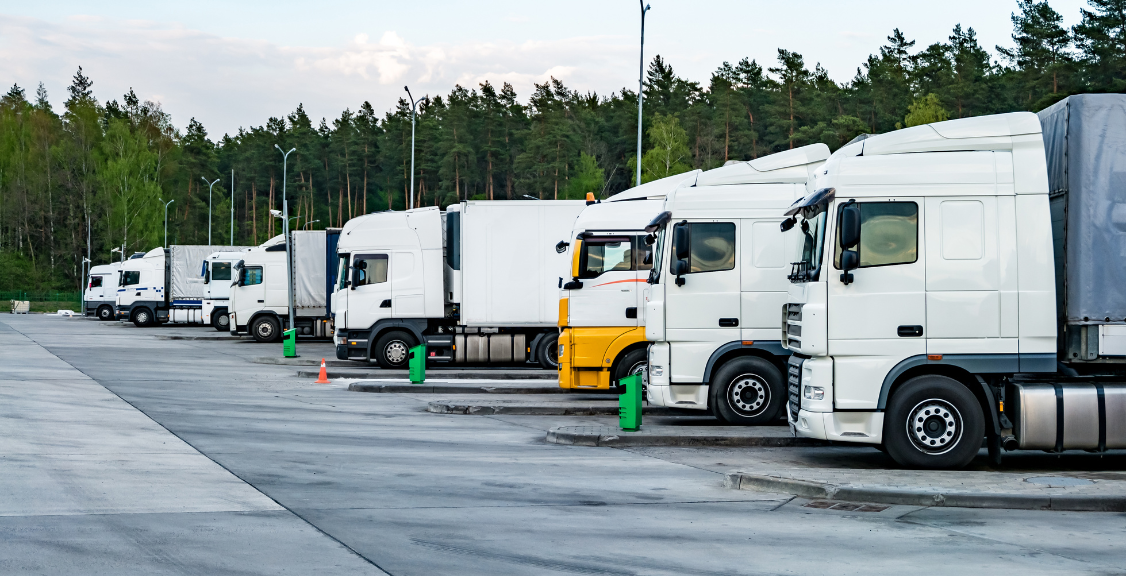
548, 353
933, 422
221, 321
105, 313
392, 349
747, 391
265, 329
143, 318
635, 361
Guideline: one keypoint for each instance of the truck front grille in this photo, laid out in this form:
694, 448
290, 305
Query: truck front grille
794, 388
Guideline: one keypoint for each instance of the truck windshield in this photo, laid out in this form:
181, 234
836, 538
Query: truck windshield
807, 266
130, 277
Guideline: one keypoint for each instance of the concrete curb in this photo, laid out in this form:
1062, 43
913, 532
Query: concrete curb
437, 374
396, 388
541, 410
880, 495
310, 361
176, 337
578, 438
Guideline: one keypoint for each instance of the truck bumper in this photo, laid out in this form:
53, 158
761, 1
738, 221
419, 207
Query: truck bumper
341, 352
122, 312
860, 427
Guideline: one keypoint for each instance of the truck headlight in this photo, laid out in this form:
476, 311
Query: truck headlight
814, 393
656, 370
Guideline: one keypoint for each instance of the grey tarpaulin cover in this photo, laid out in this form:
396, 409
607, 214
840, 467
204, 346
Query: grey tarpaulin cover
309, 276
1085, 144
186, 264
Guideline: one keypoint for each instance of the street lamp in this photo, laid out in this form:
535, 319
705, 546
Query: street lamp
208, 210
414, 107
166, 222
285, 231
530, 197
640, 88
308, 223
232, 207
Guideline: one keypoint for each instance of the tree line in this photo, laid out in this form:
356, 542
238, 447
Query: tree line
96, 176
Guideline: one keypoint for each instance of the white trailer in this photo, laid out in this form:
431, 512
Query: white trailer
927, 311
100, 295
165, 285
478, 284
217, 274
259, 296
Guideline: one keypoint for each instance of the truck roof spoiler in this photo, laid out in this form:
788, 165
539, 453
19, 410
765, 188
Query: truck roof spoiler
822, 196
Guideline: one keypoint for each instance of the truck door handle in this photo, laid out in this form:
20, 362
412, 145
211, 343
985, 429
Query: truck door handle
261, 301
385, 303
910, 331
631, 312
728, 322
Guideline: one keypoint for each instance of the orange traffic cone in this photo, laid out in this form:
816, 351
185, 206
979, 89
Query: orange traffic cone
323, 378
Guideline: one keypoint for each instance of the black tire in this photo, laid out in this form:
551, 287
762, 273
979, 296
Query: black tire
143, 318
105, 313
635, 361
747, 391
221, 321
392, 349
933, 422
265, 329
548, 353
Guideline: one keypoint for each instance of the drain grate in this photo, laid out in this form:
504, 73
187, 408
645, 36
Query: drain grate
845, 506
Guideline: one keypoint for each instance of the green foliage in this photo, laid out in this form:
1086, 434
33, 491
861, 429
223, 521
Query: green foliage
925, 110
588, 178
669, 152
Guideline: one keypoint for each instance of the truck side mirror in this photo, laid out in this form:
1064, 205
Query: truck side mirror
357, 274
788, 223
850, 260
850, 225
681, 250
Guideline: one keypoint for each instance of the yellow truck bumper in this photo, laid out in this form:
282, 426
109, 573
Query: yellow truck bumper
587, 353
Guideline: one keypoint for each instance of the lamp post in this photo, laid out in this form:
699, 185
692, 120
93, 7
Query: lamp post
208, 209
166, 222
414, 108
285, 231
122, 250
232, 207
306, 226
640, 88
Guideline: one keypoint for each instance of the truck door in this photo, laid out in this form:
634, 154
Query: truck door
277, 290
370, 295
880, 317
702, 303
608, 271
251, 293
339, 295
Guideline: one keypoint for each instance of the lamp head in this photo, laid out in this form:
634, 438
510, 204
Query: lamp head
276, 213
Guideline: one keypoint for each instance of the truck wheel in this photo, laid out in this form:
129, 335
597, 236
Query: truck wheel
634, 362
747, 391
548, 354
105, 313
142, 318
393, 349
933, 422
221, 321
265, 329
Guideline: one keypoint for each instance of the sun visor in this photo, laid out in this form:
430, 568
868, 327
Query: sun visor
822, 196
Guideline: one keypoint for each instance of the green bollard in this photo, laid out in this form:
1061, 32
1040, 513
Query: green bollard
629, 403
416, 364
289, 343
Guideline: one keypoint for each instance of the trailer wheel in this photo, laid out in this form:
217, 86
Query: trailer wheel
747, 391
142, 318
393, 349
221, 321
548, 354
635, 361
105, 313
933, 422
265, 329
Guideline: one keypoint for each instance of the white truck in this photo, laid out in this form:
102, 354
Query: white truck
477, 284
716, 287
165, 285
217, 287
100, 295
962, 281
259, 296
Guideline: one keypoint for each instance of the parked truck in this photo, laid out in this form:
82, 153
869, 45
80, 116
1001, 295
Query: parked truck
716, 287
164, 285
962, 281
100, 295
259, 298
217, 273
602, 333
476, 284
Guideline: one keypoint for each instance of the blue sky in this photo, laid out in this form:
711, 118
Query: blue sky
232, 64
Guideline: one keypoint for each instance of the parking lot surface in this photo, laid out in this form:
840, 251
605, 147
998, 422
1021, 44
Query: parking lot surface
124, 453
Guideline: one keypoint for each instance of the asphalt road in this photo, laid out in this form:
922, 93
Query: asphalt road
121, 453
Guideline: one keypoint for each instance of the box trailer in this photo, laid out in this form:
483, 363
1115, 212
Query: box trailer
165, 285
100, 295
476, 284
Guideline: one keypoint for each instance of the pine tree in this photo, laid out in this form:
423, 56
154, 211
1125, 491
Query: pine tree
1101, 39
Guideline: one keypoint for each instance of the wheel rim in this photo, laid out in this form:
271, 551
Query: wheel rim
396, 352
224, 321
265, 329
641, 368
105, 313
934, 426
142, 317
749, 395
553, 354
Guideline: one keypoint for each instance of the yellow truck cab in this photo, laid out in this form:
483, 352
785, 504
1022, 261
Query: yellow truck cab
602, 336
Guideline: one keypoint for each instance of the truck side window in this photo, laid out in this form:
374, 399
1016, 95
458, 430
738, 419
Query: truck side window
889, 234
711, 246
130, 277
221, 271
372, 267
251, 276
642, 254
342, 271
605, 254
95, 281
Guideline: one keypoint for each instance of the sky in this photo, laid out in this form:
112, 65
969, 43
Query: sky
232, 64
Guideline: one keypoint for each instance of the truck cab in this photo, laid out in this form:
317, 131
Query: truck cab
140, 291
100, 295
717, 282
217, 275
601, 312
